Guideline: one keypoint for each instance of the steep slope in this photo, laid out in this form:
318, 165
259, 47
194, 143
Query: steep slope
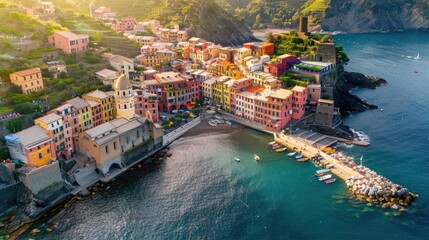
375, 16
337, 15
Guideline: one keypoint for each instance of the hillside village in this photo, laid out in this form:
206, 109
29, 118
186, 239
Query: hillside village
100, 133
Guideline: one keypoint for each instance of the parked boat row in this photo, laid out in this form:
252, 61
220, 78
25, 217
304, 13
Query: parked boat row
325, 176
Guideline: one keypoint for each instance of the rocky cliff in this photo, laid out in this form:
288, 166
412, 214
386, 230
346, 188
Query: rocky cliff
348, 102
376, 16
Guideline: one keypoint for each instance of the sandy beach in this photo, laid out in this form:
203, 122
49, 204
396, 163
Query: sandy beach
205, 128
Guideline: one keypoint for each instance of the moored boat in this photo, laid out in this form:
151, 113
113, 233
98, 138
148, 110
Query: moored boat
237, 159
257, 158
280, 149
330, 181
298, 156
326, 177
322, 171
302, 159
291, 154
272, 143
213, 124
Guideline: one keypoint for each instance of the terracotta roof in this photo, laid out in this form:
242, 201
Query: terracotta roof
254, 89
28, 72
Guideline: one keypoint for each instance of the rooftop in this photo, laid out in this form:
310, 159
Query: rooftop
32, 136
78, 103
315, 63
52, 117
93, 103
120, 59
169, 77
28, 72
298, 89
106, 73
71, 35
326, 101
97, 94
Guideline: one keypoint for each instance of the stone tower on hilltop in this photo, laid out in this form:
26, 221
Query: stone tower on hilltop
303, 25
124, 98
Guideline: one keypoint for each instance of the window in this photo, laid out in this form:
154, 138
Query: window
107, 149
49, 150
114, 145
40, 156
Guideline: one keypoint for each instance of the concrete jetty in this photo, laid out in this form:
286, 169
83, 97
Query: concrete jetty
364, 183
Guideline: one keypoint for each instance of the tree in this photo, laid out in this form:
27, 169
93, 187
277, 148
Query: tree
258, 18
326, 38
185, 10
24, 108
15, 125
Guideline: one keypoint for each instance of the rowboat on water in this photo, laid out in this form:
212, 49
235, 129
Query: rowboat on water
322, 171
302, 160
330, 181
237, 159
280, 149
326, 177
275, 145
257, 158
272, 143
291, 154
298, 156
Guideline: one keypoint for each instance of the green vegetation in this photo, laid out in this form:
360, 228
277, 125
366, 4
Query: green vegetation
15, 125
294, 44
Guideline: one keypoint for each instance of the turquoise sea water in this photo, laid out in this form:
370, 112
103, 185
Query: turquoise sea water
202, 193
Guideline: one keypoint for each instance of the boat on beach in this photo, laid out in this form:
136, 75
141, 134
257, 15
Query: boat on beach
291, 154
330, 181
281, 149
257, 158
212, 123
237, 159
326, 177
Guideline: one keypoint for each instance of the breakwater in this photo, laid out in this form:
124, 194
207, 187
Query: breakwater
364, 183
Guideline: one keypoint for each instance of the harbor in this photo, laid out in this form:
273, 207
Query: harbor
361, 181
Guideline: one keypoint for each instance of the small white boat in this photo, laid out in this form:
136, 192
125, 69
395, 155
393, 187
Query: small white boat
326, 177
257, 158
291, 154
280, 149
237, 159
228, 122
213, 124
417, 57
272, 143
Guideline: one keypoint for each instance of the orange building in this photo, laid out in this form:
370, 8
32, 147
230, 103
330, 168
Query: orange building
32, 146
29, 80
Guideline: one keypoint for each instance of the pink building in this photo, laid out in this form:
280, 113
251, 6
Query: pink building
144, 102
69, 116
69, 42
272, 107
280, 65
126, 24
177, 91
299, 99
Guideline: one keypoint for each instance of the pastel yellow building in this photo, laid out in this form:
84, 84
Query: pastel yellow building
84, 111
107, 104
29, 80
222, 90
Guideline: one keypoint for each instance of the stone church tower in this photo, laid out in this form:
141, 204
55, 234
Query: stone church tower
124, 98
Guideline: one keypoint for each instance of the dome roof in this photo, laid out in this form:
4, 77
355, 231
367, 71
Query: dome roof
122, 83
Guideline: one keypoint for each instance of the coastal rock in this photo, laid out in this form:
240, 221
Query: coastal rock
34, 231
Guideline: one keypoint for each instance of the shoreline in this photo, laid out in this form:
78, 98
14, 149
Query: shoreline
204, 128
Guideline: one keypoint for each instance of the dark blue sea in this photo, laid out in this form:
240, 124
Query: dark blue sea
202, 193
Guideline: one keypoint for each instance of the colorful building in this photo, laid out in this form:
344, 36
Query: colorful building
69, 42
32, 146
96, 113
177, 91
126, 24
280, 65
146, 102
29, 80
106, 101
225, 68
299, 99
59, 131
83, 112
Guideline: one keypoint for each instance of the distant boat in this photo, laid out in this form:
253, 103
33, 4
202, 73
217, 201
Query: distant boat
281, 149
237, 159
302, 160
291, 154
330, 181
298, 156
257, 158
417, 57
272, 143
409, 57
326, 177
